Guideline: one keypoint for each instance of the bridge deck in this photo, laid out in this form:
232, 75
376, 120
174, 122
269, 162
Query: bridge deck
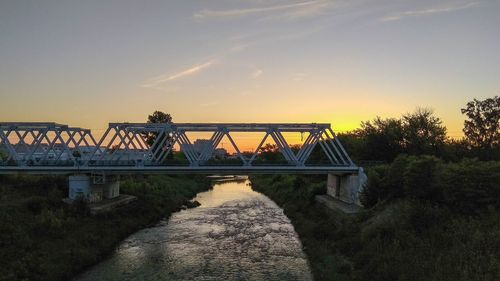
223, 170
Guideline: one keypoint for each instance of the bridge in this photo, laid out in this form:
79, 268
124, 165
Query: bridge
147, 148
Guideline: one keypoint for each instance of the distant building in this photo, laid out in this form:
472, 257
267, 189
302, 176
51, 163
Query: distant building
220, 153
200, 145
43, 152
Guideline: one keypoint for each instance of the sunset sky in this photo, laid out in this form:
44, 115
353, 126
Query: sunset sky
87, 63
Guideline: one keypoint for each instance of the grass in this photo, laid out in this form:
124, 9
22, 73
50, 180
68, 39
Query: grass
404, 238
42, 238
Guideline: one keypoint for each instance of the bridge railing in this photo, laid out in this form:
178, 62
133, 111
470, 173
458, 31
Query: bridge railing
146, 144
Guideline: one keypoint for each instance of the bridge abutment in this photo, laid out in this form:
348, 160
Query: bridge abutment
346, 187
92, 190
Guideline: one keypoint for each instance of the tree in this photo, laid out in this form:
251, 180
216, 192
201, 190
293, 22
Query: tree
423, 133
456, 149
159, 117
353, 144
156, 117
482, 129
269, 152
383, 139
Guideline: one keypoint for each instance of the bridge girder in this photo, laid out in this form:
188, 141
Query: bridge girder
144, 145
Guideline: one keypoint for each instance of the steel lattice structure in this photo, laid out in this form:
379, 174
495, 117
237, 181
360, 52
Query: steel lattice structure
144, 148
42, 143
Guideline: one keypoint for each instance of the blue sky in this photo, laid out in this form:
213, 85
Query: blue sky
87, 63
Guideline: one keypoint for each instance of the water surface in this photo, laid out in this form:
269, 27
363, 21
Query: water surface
236, 234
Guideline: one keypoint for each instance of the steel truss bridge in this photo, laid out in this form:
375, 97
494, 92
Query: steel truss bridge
143, 148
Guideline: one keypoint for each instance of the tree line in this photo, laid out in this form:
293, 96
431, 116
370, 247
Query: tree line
422, 132
381, 140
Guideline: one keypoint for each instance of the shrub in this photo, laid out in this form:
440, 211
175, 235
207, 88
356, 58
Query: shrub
42, 238
421, 179
395, 177
35, 203
472, 186
50, 222
371, 194
469, 186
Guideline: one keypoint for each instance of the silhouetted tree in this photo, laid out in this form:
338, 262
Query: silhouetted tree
456, 149
382, 138
159, 117
353, 144
156, 117
423, 133
317, 155
269, 152
482, 129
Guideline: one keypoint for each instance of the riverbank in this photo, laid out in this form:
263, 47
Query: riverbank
432, 236
42, 238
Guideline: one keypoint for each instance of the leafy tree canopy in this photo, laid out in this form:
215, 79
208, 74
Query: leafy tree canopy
424, 133
383, 138
482, 127
159, 117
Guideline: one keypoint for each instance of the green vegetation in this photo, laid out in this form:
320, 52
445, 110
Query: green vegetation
425, 219
42, 238
428, 220
421, 133
467, 187
155, 140
482, 127
431, 214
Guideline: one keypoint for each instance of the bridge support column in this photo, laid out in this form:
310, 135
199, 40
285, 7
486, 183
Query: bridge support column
346, 187
111, 188
86, 187
79, 187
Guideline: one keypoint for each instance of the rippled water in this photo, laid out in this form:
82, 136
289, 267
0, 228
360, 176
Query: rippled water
236, 234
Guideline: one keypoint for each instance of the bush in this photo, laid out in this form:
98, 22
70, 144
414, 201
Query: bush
421, 179
35, 203
42, 238
472, 186
430, 221
371, 194
50, 222
469, 186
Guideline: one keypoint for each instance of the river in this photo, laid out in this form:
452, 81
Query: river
236, 234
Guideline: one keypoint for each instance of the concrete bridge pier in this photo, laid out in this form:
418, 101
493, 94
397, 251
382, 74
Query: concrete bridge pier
346, 187
93, 188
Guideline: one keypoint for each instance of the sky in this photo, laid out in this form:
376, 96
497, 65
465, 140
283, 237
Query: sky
87, 63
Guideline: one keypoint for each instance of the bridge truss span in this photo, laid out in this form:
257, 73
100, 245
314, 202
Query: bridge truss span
146, 147
37, 143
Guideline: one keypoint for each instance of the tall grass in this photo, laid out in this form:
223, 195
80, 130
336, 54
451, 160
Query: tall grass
41, 238
427, 220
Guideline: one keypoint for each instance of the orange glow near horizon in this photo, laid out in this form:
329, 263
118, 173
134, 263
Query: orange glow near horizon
268, 65
248, 142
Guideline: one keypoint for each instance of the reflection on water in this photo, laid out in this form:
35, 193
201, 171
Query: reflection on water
236, 234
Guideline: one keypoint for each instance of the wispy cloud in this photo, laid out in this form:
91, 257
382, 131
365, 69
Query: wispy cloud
209, 104
294, 10
257, 73
298, 77
430, 11
155, 82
